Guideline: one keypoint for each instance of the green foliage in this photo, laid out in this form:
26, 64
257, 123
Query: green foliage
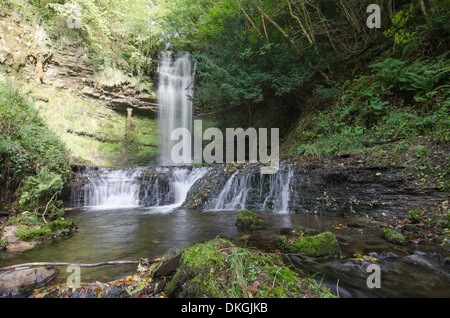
36, 190
33, 234
218, 268
39, 231
396, 99
88, 18
400, 26
34, 161
3, 242
395, 76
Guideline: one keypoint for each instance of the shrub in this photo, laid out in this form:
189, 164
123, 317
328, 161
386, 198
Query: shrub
33, 161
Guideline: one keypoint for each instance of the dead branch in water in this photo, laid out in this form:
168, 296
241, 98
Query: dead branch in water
145, 261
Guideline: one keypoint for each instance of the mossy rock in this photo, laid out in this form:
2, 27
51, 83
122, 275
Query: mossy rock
392, 236
62, 226
33, 234
219, 269
306, 231
42, 231
319, 245
249, 220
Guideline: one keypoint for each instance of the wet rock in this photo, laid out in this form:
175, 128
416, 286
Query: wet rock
320, 245
392, 236
20, 283
249, 220
170, 261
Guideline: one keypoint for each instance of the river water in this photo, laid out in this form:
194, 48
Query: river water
130, 233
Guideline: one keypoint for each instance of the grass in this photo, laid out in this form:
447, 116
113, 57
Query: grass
219, 269
93, 133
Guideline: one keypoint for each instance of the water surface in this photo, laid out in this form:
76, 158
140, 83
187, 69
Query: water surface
126, 234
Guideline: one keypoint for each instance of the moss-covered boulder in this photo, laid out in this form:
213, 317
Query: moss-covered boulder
305, 231
219, 269
392, 236
319, 245
249, 220
31, 228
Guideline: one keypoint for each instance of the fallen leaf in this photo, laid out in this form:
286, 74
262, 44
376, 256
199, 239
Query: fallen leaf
253, 289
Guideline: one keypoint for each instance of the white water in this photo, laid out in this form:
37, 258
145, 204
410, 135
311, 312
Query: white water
120, 188
109, 188
183, 180
237, 189
176, 85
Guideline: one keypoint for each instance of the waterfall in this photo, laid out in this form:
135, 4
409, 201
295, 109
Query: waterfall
162, 187
247, 190
176, 84
109, 188
167, 187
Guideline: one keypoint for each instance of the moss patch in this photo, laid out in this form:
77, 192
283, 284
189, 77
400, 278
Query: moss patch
29, 228
319, 245
249, 220
219, 269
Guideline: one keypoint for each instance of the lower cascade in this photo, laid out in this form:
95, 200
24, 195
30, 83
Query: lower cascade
106, 188
260, 192
171, 187
134, 187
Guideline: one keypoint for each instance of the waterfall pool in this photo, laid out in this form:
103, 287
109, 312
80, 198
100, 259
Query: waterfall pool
130, 233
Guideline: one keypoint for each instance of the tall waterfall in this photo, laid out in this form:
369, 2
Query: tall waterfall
176, 84
168, 186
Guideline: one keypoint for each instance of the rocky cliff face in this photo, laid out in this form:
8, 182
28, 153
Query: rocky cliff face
28, 53
85, 100
69, 69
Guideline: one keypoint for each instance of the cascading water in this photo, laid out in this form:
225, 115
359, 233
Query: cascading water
245, 190
176, 84
109, 188
168, 190
165, 188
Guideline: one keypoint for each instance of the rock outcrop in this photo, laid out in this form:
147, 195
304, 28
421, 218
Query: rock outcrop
64, 64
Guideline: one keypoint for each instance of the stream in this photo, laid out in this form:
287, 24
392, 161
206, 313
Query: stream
129, 233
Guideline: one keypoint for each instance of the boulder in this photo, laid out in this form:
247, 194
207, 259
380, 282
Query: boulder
320, 245
220, 269
19, 283
170, 261
392, 236
249, 220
